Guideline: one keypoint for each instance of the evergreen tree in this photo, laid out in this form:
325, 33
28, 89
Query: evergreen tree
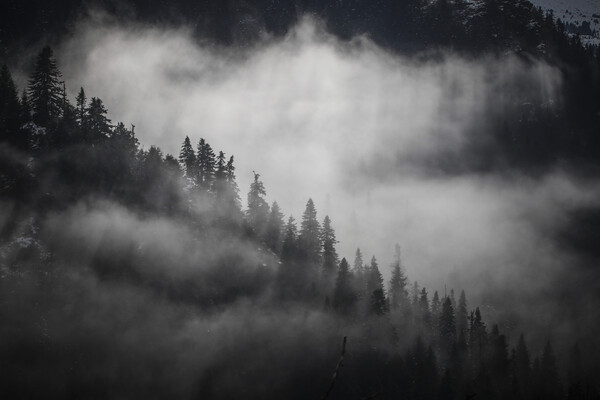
343, 294
398, 294
374, 278
45, 88
97, 122
289, 247
550, 387
447, 326
424, 311
10, 112
81, 108
436, 307
258, 209
309, 240
187, 159
206, 165
274, 230
330, 257
462, 317
521, 369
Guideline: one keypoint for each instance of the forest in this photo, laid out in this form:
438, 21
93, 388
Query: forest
126, 272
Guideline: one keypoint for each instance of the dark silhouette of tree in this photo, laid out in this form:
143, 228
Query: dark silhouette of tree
45, 88
187, 159
344, 297
398, 294
447, 327
521, 364
10, 113
309, 240
329, 254
462, 318
81, 108
98, 124
257, 213
206, 165
275, 229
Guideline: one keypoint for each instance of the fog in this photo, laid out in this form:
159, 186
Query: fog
362, 132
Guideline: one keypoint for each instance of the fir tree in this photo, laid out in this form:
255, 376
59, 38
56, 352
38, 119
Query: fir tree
258, 209
187, 159
10, 112
45, 88
97, 122
398, 294
81, 108
343, 294
309, 240
206, 165
462, 317
274, 229
330, 257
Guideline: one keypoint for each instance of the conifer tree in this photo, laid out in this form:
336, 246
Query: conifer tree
374, 278
436, 306
10, 112
220, 185
81, 108
45, 88
447, 326
258, 209
97, 122
462, 317
343, 294
330, 257
187, 159
232, 200
206, 165
398, 294
289, 247
274, 229
309, 240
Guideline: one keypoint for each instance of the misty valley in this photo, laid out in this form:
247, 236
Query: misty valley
298, 200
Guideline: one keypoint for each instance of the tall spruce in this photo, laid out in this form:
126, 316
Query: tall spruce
258, 209
330, 256
398, 294
309, 240
274, 230
206, 165
343, 294
45, 88
187, 159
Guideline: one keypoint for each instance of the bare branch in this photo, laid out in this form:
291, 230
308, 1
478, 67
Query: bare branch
335, 372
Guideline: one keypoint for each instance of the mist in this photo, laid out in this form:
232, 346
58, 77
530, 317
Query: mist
363, 132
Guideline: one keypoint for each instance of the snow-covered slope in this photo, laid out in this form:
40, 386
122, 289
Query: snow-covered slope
576, 12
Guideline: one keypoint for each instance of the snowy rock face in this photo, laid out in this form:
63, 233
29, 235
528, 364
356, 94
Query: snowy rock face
579, 16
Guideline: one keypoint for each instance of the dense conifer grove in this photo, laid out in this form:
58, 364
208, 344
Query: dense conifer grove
403, 341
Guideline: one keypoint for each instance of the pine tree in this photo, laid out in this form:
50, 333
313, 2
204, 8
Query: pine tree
45, 88
374, 278
187, 159
424, 310
330, 257
522, 369
232, 201
258, 209
97, 123
206, 165
447, 326
343, 294
289, 247
81, 108
398, 293
274, 229
309, 240
436, 306
10, 112
462, 317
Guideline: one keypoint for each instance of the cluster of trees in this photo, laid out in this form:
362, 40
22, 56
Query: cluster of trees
55, 153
